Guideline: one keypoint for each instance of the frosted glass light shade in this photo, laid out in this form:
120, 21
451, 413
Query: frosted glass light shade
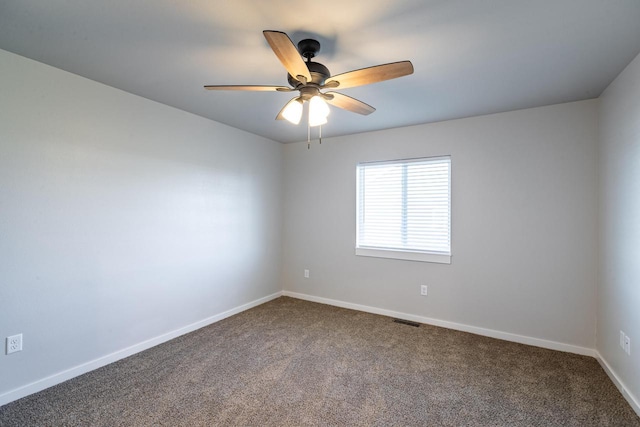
317, 121
293, 111
318, 111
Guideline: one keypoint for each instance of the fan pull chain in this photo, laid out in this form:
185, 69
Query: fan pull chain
309, 135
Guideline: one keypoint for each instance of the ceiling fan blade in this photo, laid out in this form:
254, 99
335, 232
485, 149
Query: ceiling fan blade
249, 87
370, 75
348, 103
287, 53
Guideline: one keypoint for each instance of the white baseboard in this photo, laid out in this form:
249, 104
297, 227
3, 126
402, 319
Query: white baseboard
537, 342
65, 375
60, 377
633, 400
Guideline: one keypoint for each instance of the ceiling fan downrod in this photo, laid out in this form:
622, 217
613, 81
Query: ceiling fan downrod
308, 48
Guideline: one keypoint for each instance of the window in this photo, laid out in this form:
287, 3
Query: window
404, 209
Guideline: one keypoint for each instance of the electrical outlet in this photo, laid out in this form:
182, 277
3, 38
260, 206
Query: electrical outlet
423, 290
627, 345
14, 343
306, 274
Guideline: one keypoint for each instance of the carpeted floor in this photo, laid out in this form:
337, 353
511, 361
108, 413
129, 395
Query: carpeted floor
292, 362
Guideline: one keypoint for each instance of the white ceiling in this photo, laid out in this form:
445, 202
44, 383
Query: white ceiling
471, 57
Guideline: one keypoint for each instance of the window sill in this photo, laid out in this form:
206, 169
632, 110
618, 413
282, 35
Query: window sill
404, 255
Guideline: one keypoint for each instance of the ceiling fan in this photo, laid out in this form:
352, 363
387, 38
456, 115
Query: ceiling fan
309, 78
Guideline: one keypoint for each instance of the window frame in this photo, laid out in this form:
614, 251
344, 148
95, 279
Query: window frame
402, 254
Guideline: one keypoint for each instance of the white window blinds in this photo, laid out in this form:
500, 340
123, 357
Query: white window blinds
404, 206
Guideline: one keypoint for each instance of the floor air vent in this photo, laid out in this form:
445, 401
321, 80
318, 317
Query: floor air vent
407, 322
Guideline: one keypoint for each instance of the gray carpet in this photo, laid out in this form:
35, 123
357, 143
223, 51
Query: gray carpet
292, 362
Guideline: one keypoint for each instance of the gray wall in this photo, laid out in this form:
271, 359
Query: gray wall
619, 286
524, 224
122, 219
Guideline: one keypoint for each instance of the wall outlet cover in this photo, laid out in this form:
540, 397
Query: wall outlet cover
14, 343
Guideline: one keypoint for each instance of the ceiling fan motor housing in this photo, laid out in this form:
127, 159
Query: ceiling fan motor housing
309, 48
319, 73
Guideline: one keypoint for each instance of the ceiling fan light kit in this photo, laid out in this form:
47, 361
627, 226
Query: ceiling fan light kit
309, 78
